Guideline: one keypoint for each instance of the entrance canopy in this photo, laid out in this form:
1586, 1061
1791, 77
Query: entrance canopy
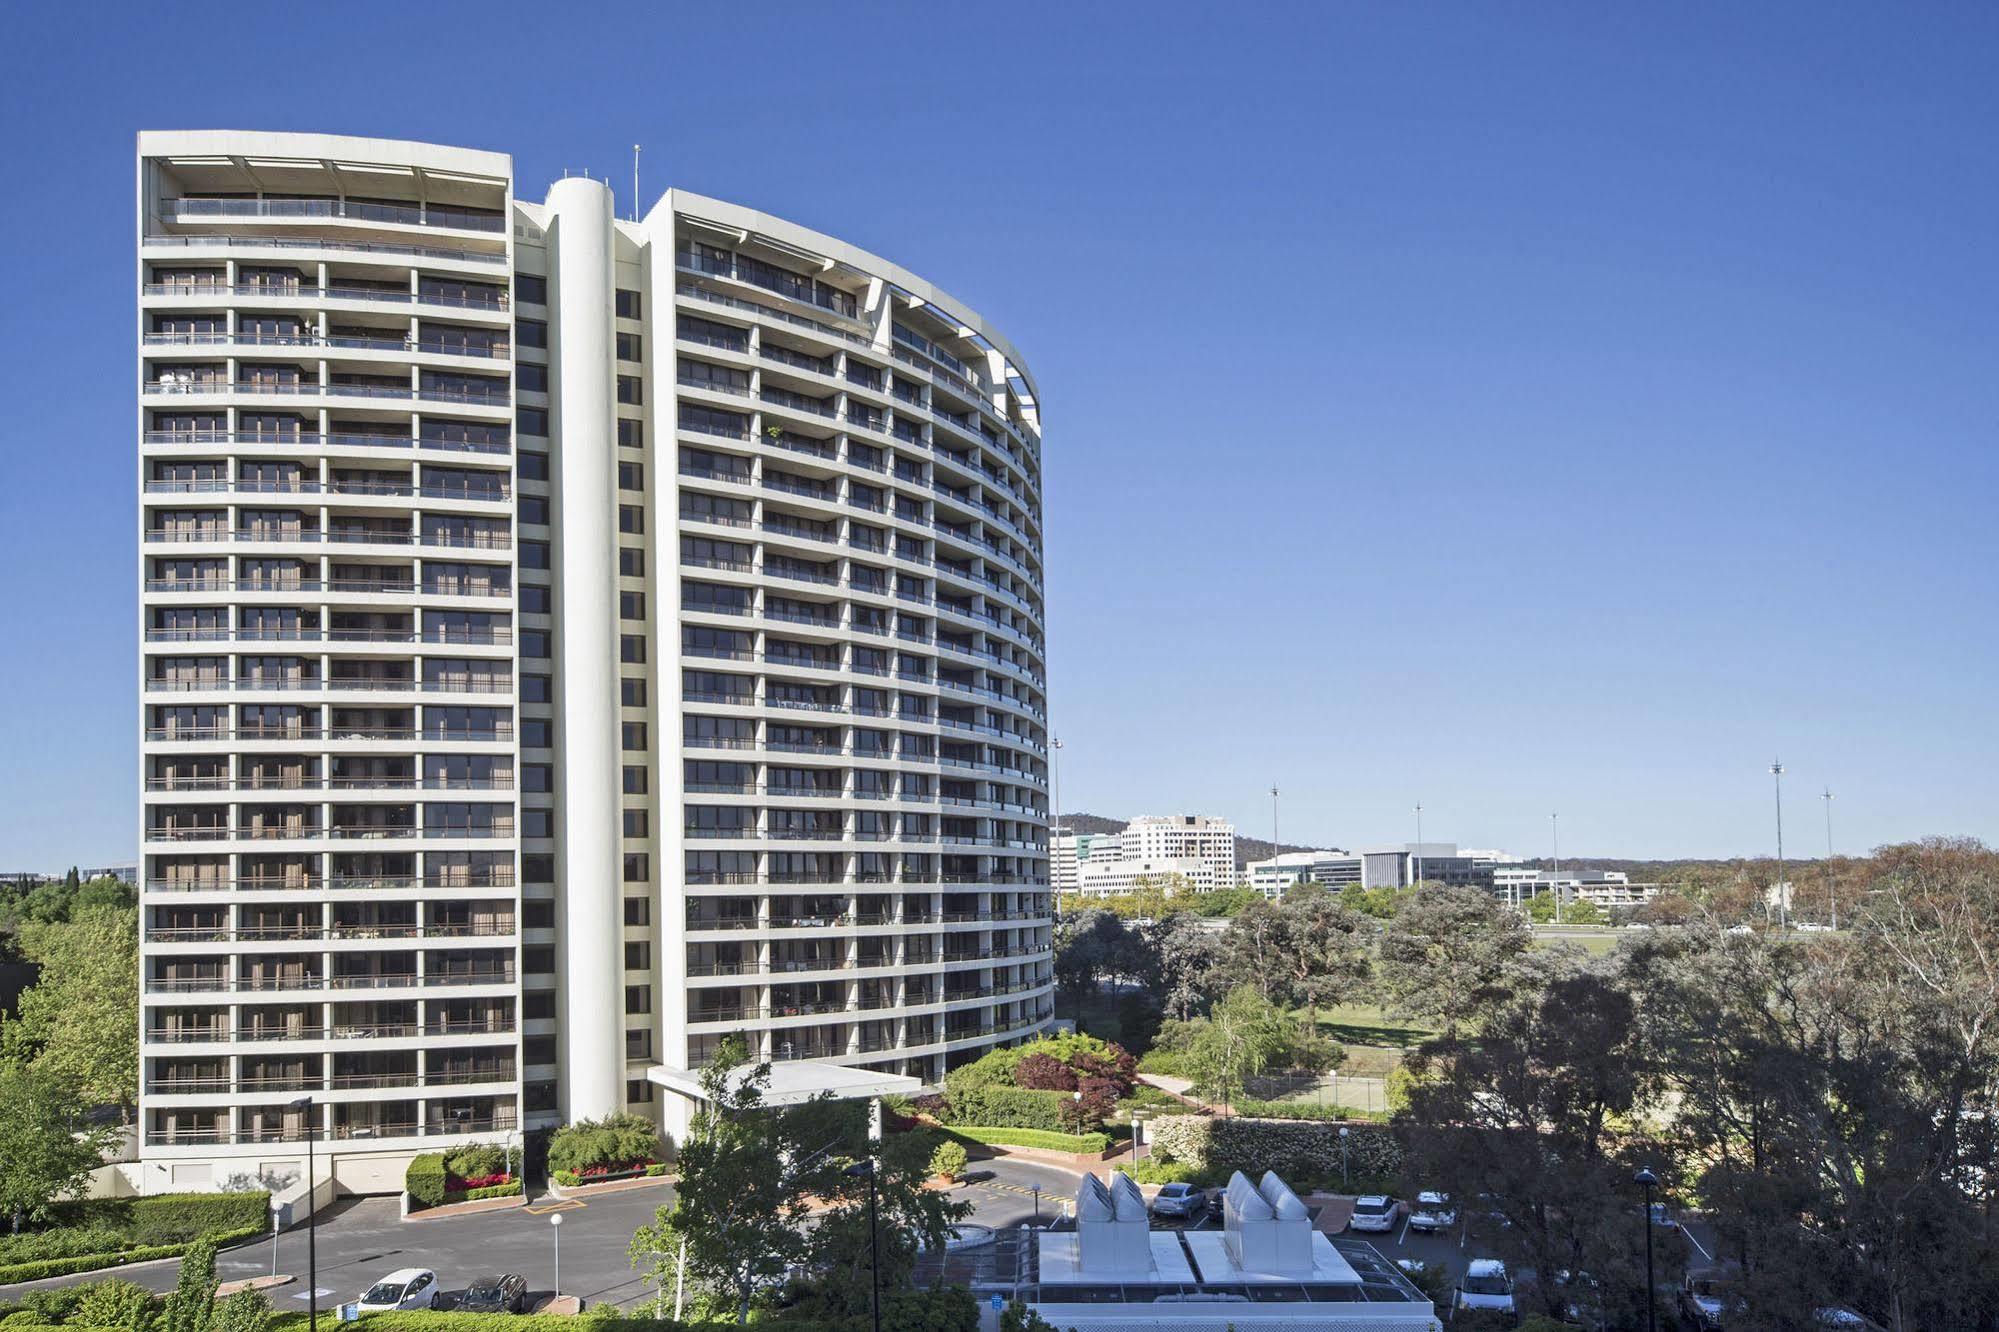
793, 1082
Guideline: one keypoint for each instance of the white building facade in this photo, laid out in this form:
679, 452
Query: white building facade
1194, 847
568, 641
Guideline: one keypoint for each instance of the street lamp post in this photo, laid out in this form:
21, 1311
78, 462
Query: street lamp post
555, 1229
1648, 1181
305, 1104
867, 1168
1419, 845
1037, 1207
1555, 835
1831, 896
1783, 895
1345, 1177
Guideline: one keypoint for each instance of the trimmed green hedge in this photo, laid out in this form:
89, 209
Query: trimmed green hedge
1008, 1107
1254, 1109
510, 1189
424, 1179
1161, 1172
166, 1218
54, 1267
1041, 1139
569, 1179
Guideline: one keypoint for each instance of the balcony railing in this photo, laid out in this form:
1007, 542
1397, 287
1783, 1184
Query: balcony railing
400, 214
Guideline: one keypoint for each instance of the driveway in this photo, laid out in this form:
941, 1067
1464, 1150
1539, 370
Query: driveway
359, 1239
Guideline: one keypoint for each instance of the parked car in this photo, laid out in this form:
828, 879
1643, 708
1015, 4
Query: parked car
1485, 1285
404, 1288
1374, 1212
1432, 1212
495, 1294
1183, 1201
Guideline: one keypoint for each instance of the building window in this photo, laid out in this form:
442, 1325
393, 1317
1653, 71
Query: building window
538, 1004
631, 434
638, 867
538, 869
638, 956
531, 378
531, 332
537, 915
638, 911
533, 290
531, 421
534, 643
534, 554
635, 737
631, 391
537, 823
537, 778
537, 733
632, 692
631, 649
638, 999
638, 1091
534, 509
534, 466
631, 562
636, 779
535, 600
629, 347
536, 688
627, 303
631, 476
631, 605
638, 824
632, 519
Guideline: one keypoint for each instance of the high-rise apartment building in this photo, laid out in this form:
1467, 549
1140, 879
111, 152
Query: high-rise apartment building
1193, 847
568, 641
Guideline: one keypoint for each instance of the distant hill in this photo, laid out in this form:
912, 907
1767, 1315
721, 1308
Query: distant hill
1246, 848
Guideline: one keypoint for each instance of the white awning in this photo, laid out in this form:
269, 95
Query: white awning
793, 1082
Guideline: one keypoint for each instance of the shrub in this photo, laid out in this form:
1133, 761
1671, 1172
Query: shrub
175, 1218
114, 1303
55, 1267
948, 1160
1044, 1072
1253, 1109
1152, 1171
1295, 1149
53, 1306
66, 1242
1040, 1139
477, 1162
245, 1311
424, 1180
1008, 1107
1166, 1063
616, 1142
510, 1189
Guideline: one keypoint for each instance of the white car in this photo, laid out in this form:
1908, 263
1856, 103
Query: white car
1485, 1286
1432, 1212
404, 1288
1374, 1212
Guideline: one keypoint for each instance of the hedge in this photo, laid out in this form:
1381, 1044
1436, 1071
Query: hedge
1008, 1107
169, 1218
1254, 1109
1151, 1171
950, 1309
1080, 1143
510, 1189
55, 1267
1296, 1149
569, 1179
424, 1179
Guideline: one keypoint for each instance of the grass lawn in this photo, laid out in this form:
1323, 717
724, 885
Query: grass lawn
1370, 1025
1596, 945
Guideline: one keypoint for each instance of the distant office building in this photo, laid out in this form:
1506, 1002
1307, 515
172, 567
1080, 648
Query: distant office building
1199, 849
127, 874
21, 878
1516, 885
1335, 869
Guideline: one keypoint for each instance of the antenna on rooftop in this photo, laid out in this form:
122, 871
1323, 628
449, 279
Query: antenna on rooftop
635, 182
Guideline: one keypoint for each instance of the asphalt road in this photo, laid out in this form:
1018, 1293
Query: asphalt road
360, 1239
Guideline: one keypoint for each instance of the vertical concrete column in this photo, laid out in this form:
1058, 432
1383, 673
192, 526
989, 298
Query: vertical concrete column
584, 474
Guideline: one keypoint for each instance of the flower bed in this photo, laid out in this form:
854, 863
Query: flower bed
570, 1179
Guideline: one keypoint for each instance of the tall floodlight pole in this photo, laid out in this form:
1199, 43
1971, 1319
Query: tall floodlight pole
1555, 832
635, 182
1276, 849
1830, 896
1783, 905
1055, 783
1419, 845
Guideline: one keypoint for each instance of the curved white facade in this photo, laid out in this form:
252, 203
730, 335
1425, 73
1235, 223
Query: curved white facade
568, 642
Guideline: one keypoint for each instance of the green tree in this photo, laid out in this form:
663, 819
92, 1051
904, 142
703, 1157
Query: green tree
1187, 955
1327, 948
1236, 1043
1256, 950
79, 1022
1449, 954
45, 1150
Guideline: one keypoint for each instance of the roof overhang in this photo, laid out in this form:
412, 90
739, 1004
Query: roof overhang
794, 1082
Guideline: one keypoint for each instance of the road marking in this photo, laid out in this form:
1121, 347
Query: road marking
1696, 1243
566, 1205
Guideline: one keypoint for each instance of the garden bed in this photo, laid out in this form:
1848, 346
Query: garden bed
572, 1179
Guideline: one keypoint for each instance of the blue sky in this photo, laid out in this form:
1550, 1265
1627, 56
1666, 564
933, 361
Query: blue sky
1512, 408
